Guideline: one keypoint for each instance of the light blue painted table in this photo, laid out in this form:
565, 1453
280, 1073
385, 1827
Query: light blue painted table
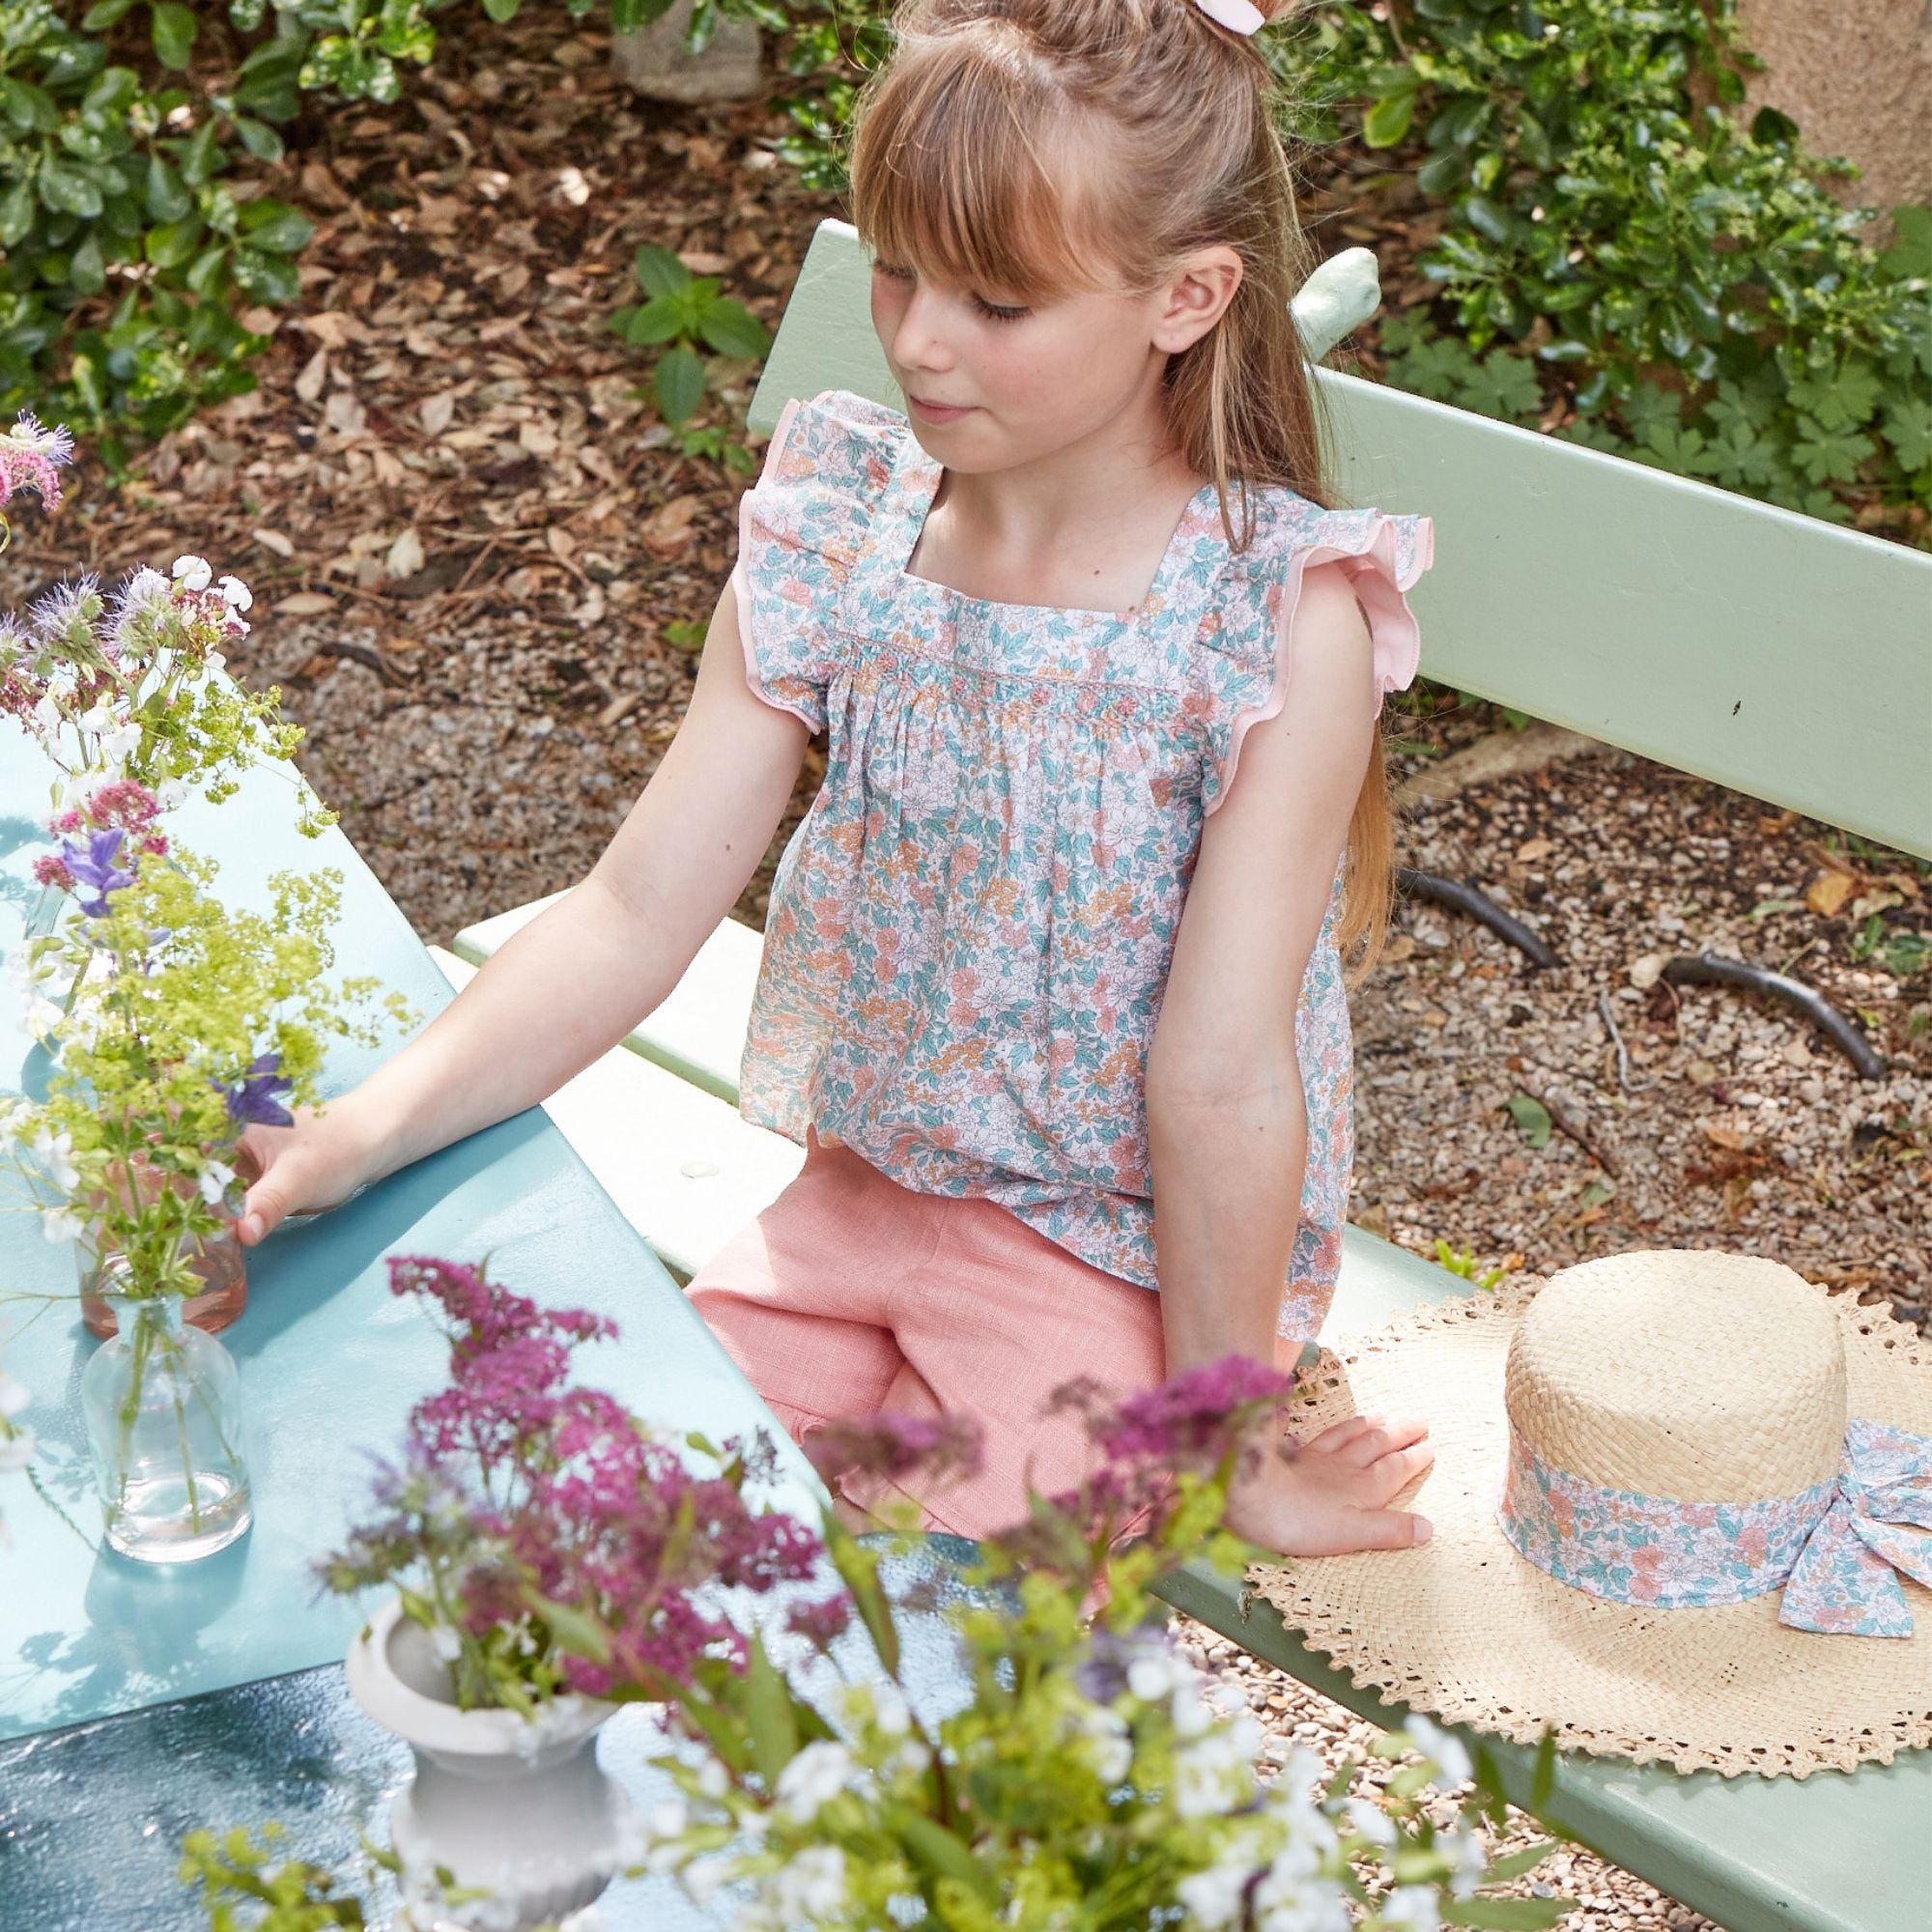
330, 1363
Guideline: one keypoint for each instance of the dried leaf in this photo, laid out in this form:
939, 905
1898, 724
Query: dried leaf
274, 540
304, 604
438, 411
1645, 972
314, 374
1827, 891
404, 557
1534, 849
670, 526
345, 414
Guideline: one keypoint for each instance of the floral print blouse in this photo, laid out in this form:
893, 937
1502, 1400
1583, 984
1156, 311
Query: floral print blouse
970, 931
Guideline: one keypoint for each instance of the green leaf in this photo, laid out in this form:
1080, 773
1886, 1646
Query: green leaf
679, 383
98, 17
659, 272
69, 189
275, 226
174, 31
27, 106
1908, 428
266, 278
732, 330
86, 270
1517, 1863
662, 319
768, 1711
259, 138
943, 1853
16, 214
1388, 120
1911, 251
173, 243
500, 10
1505, 1915
1828, 456
166, 197
1543, 1778
1532, 1117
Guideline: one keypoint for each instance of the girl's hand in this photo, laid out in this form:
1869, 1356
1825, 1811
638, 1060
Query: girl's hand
317, 1163
1330, 1495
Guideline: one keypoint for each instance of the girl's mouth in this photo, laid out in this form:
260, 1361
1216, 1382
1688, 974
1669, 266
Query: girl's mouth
934, 413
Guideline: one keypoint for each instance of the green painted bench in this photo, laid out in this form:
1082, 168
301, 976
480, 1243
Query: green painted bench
1762, 650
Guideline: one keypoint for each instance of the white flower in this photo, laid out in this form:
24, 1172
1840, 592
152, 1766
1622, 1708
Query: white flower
816, 1776
702, 1877
235, 594
62, 1224
1152, 1676
46, 717
814, 1882
96, 717
1472, 1862
1190, 1714
893, 1716
216, 1179
193, 571
713, 1779
1216, 1773
671, 1819
14, 1396
54, 1152
1410, 1908
1214, 1897
121, 744
444, 1640
1449, 1754
16, 1450
1371, 1822
214, 662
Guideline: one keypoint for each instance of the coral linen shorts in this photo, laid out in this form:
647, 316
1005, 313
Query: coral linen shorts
851, 1295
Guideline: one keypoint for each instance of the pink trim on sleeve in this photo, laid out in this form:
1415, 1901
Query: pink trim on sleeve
741, 583
1373, 570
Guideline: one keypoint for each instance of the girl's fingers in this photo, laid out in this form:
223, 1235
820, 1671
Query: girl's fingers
1339, 1434
1395, 1472
1373, 1444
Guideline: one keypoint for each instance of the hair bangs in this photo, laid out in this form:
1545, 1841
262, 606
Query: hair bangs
968, 175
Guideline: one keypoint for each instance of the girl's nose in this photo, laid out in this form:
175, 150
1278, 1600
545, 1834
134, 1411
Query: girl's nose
919, 341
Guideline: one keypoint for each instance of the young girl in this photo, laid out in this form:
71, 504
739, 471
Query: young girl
1053, 999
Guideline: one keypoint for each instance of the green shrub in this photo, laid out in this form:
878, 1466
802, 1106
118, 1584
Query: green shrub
1693, 294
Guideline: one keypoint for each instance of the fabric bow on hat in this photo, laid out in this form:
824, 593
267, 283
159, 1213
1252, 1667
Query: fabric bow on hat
1846, 1577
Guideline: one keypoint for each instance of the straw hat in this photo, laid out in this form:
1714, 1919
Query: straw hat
1577, 1571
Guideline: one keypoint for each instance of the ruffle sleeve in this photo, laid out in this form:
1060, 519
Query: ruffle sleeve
1245, 670
800, 526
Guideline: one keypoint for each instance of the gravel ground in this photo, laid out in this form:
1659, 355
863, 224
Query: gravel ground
475, 552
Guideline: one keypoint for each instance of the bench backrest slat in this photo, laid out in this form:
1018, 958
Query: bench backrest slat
1764, 650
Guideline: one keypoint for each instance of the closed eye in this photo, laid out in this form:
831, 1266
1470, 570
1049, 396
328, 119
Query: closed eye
991, 311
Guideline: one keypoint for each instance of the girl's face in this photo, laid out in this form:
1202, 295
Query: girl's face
1033, 381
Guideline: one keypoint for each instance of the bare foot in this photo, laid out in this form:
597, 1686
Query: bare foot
1331, 1495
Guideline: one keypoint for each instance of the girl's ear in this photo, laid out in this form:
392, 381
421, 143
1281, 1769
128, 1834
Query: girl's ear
1197, 298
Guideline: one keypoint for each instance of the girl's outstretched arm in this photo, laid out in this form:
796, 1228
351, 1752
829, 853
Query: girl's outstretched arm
582, 973
1227, 1122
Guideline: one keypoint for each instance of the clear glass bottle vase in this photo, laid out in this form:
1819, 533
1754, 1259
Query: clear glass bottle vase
163, 1411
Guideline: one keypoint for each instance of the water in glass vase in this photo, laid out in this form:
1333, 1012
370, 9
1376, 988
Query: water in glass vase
163, 1414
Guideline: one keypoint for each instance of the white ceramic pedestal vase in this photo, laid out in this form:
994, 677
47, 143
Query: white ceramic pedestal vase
525, 1813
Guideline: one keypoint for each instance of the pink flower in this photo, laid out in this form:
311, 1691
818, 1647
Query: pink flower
29, 457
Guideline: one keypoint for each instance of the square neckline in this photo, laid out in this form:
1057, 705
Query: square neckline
921, 474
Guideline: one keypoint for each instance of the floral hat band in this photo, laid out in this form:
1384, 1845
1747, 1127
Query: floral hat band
1679, 1479
1835, 1547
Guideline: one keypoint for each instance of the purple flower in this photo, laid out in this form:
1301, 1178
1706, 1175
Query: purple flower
253, 1097
29, 456
821, 1623
896, 1446
93, 865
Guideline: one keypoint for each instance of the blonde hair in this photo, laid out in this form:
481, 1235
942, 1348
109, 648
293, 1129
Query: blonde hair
1031, 147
